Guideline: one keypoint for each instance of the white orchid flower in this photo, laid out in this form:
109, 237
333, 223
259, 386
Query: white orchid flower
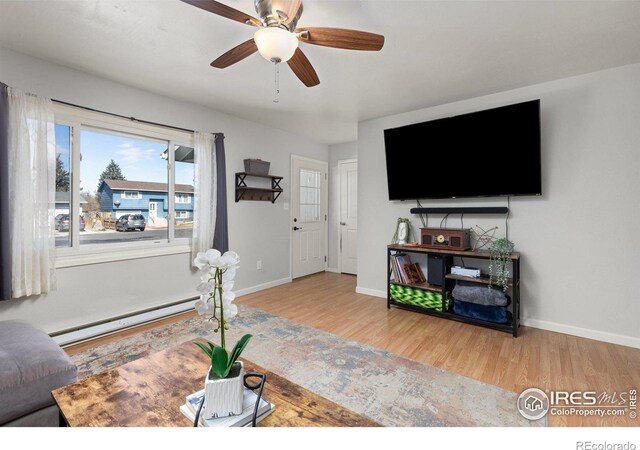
228, 297
213, 257
204, 307
218, 306
230, 259
210, 258
230, 311
229, 275
205, 287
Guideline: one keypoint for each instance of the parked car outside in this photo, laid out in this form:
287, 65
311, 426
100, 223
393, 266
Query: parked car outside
131, 222
62, 222
59, 218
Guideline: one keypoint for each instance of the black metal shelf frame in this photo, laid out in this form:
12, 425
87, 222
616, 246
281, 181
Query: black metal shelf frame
242, 188
447, 286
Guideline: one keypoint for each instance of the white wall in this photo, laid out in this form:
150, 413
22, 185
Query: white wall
337, 153
580, 242
257, 230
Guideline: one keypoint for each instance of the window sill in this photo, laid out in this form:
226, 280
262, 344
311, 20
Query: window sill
86, 256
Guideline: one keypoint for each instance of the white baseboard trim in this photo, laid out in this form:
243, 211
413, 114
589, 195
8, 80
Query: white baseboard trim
612, 338
372, 292
263, 286
332, 270
112, 326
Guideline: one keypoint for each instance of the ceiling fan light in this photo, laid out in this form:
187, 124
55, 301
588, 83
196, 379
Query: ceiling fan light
276, 44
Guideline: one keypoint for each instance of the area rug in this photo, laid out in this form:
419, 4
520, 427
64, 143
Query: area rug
384, 387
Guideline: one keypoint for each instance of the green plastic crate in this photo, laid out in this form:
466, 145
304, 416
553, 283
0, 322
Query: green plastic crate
418, 297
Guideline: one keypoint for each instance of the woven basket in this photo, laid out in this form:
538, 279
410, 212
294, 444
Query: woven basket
418, 297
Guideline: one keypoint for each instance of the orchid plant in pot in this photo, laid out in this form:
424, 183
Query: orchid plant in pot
224, 387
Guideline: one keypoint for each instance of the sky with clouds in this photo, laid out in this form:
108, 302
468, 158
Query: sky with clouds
138, 159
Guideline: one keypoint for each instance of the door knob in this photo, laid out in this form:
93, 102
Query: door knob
343, 223
297, 228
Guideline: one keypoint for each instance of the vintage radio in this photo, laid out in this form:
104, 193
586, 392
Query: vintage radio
445, 238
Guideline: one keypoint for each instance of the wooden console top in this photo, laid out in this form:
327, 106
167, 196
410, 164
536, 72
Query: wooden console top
469, 253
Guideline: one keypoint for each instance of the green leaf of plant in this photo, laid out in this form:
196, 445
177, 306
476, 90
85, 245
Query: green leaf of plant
219, 362
239, 348
204, 348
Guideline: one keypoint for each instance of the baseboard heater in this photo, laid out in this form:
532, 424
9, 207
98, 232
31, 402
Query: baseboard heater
108, 326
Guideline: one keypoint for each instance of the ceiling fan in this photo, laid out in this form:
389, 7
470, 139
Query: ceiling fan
277, 38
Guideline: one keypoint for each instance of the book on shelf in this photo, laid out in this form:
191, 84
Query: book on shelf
404, 271
397, 276
190, 408
414, 273
394, 269
399, 260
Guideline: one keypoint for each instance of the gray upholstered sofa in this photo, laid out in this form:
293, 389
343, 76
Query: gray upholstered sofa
31, 366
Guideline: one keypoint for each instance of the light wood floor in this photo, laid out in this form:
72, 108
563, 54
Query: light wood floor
537, 358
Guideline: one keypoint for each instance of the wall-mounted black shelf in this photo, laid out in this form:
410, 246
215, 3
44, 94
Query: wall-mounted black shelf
244, 192
462, 210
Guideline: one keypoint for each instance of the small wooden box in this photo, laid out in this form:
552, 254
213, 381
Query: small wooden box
445, 238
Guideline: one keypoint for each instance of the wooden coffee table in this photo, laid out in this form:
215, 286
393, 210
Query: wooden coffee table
149, 392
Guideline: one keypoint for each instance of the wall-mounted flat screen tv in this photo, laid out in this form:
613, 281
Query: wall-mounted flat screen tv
490, 153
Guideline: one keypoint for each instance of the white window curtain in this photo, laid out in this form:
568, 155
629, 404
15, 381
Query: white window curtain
32, 175
204, 207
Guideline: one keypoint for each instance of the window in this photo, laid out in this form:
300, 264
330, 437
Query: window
63, 185
310, 195
109, 167
185, 181
183, 198
131, 195
113, 162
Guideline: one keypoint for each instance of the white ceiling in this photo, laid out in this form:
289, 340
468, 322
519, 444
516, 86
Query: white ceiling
435, 53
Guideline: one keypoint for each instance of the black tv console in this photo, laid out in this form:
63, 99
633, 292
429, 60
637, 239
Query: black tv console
447, 287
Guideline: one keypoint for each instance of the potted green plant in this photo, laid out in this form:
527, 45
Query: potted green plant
224, 388
501, 250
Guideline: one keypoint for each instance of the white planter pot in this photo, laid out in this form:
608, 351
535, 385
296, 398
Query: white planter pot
223, 396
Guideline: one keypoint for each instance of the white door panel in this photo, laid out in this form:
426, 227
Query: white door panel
309, 209
348, 217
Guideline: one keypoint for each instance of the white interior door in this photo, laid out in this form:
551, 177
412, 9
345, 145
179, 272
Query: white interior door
348, 216
309, 216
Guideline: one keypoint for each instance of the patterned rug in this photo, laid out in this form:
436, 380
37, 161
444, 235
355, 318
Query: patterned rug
384, 387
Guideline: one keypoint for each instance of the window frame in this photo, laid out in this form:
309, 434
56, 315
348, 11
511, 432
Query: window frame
79, 119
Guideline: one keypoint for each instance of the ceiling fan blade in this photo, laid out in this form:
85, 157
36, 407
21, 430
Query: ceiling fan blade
341, 38
303, 69
236, 54
291, 8
224, 11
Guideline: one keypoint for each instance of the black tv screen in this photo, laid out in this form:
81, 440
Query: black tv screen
495, 152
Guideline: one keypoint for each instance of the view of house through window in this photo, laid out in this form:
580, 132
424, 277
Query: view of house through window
185, 180
124, 180
63, 185
123, 192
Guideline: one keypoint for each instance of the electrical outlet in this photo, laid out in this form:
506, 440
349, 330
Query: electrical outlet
286, 206
259, 265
